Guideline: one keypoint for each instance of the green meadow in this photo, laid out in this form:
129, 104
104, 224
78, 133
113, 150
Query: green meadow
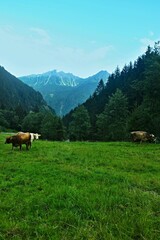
80, 191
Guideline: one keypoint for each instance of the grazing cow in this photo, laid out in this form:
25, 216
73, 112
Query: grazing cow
19, 139
34, 136
141, 136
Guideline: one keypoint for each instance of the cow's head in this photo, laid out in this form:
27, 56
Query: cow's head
8, 140
152, 138
36, 136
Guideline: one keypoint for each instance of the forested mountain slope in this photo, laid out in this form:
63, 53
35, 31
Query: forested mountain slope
14, 92
18, 101
139, 84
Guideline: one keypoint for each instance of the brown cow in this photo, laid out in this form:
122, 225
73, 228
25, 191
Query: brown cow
34, 136
141, 136
19, 139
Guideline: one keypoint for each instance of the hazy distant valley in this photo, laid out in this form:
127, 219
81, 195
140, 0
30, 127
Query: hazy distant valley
64, 91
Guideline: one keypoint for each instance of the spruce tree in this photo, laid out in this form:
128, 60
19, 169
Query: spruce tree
80, 126
112, 123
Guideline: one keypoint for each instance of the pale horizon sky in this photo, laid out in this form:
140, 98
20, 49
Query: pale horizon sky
77, 36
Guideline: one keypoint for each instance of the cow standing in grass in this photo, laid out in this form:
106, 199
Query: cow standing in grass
34, 136
19, 139
141, 136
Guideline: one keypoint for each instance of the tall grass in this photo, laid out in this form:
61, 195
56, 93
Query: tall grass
80, 190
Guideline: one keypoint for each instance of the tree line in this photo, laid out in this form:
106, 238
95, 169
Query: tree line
46, 123
130, 100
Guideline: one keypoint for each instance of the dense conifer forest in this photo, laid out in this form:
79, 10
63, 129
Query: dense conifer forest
130, 100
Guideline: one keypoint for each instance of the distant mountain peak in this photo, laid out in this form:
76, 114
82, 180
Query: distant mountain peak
53, 72
64, 91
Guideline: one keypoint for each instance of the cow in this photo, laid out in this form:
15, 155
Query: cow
19, 139
34, 136
141, 136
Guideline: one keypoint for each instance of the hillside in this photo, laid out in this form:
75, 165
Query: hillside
14, 92
128, 102
64, 91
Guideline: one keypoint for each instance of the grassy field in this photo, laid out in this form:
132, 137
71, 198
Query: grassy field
80, 190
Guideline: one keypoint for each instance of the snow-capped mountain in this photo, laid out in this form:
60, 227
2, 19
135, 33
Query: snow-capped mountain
52, 78
64, 91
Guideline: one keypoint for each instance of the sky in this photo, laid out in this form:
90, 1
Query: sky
82, 37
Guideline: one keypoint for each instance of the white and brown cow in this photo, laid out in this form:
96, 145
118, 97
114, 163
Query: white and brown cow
34, 136
141, 136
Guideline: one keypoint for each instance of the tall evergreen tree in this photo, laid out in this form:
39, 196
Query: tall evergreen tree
79, 128
48, 127
112, 123
32, 122
99, 88
147, 115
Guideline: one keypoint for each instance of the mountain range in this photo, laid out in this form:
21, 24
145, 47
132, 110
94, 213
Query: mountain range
64, 91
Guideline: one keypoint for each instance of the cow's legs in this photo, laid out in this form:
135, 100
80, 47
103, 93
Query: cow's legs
27, 146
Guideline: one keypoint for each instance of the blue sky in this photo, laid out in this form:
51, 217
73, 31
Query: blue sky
78, 36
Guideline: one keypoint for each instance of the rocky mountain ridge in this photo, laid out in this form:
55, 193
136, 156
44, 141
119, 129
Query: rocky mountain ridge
64, 91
